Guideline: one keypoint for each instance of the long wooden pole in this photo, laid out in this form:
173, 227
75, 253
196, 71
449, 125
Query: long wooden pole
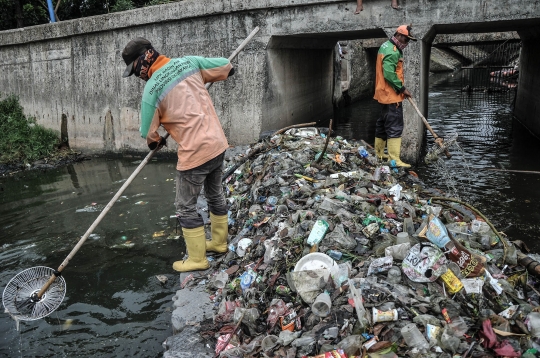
438, 139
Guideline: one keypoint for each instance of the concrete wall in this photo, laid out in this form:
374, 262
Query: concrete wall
363, 62
74, 67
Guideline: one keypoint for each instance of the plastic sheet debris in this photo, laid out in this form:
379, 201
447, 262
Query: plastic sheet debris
380, 265
349, 257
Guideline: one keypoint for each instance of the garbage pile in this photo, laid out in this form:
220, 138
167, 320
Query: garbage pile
334, 254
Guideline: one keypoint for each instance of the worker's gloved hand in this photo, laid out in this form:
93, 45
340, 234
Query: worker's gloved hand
407, 93
162, 142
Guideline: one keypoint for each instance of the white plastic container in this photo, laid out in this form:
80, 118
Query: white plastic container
402, 238
384, 316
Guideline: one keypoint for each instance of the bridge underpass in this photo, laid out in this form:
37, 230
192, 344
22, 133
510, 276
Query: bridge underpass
73, 68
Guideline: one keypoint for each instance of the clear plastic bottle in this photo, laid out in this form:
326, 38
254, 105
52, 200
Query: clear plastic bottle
355, 292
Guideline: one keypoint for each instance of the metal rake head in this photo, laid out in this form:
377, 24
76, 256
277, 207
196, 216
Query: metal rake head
20, 295
435, 151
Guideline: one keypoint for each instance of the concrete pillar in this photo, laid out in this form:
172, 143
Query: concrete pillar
416, 69
527, 108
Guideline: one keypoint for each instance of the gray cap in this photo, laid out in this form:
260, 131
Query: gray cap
132, 51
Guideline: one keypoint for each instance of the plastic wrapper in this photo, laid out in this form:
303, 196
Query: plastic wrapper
309, 283
471, 265
380, 265
222, 344
398, 252
435, 232
277, 309
425, 262
452, 283
473, 285
340, 239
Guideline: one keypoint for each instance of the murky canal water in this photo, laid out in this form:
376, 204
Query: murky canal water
490, 138
115, 307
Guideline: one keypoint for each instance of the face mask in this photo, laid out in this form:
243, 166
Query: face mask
144, 63
399, 44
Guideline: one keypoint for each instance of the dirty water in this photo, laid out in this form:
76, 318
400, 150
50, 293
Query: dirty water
114, 304
490, 137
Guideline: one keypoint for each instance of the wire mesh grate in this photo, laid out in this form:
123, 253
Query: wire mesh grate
17, 294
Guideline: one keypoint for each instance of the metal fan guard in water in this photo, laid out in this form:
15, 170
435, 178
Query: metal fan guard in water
16, 296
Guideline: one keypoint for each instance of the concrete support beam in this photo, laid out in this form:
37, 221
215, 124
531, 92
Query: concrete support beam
446, 40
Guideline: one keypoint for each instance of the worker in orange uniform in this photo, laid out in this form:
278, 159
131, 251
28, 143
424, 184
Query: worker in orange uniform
175, 97
390, 93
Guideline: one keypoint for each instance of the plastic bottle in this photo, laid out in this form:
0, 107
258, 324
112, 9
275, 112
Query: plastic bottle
317, 232
413, 338
355, 293
377, 174
363, 152
240, 236
335, 254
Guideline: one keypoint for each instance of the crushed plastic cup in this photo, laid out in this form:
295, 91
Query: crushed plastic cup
322, 305
269, 342
402, 238
220, 279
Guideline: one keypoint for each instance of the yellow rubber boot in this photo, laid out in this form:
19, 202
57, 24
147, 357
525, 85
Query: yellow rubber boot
196, 250
394, 150
379, 148
220, 232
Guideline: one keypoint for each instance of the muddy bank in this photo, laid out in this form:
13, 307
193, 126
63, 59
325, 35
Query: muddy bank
56, 160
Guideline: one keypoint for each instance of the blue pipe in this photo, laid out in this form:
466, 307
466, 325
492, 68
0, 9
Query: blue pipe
51, 10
